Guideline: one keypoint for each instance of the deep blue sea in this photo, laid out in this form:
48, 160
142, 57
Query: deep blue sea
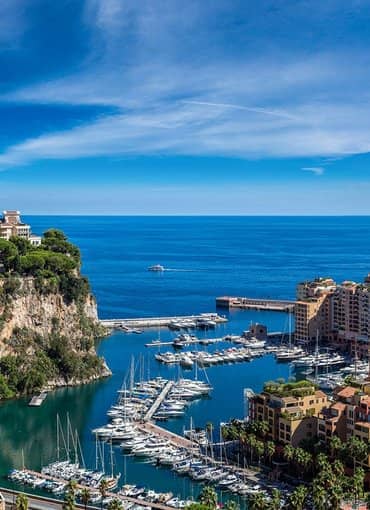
210, 256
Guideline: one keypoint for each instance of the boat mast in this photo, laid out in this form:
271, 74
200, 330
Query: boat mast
58, 446
111, 457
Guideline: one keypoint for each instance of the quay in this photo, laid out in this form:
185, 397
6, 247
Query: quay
45, 503
152, 322
274, 305
158, 401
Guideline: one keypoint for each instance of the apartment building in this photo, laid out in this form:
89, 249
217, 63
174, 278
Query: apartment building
351, 316
12, 225
347, 416
313, 310
290, 410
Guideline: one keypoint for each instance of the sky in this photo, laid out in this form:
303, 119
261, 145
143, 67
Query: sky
185, 107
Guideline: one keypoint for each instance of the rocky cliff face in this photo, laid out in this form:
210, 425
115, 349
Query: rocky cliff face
44, 314
46, 340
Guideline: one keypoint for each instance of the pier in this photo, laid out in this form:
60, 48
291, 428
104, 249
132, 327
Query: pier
274, 305
157, 322
158, 401
37, 400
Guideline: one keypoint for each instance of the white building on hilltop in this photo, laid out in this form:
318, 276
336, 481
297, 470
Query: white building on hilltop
11, 225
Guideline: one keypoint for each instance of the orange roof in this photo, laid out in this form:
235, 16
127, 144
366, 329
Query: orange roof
320, 394
346, 391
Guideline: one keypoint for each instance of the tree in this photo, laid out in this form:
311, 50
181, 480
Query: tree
231, 505
259, 448
358, 483
208, 497
115, 504
275, 502
288, 452
270, 450
85, 496
21, 503
258, 501
103, 489
335, 445
298, 498
356, 449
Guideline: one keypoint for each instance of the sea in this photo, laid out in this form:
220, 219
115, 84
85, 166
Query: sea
207, 257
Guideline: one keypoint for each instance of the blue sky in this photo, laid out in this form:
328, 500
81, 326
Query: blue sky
196, 107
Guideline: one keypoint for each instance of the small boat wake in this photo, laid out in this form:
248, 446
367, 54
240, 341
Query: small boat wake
161, 269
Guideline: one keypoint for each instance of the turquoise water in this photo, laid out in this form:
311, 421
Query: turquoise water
237, 256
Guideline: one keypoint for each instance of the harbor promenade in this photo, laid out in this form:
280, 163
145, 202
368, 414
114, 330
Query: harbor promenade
274, 305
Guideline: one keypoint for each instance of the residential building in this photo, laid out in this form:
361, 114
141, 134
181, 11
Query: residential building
11, 225
313, 310
347, 416
351, 316
291, 411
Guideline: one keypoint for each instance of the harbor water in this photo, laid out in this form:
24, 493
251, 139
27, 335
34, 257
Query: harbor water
255, 257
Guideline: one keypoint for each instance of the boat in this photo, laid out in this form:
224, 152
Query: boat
156, 268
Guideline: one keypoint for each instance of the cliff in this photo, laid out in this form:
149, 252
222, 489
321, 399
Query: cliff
48, 318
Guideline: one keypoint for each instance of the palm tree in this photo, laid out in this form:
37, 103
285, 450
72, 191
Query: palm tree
335, 445
275, 502
319, 494
208, 497
356, 450
115, 504
21, 503
288, 452
270, 450
71, 487
251, 442
298, 497
231, 505
321, 461
85, 496
258, 501
103, 489
259, 448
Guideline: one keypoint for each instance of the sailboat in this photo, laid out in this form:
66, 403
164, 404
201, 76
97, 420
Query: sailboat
293, 351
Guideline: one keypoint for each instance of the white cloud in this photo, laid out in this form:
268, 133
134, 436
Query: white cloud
317, 170
174, 93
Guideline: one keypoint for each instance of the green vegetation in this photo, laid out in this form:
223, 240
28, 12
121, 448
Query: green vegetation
52, 268
21, 502
290, 389
55, 265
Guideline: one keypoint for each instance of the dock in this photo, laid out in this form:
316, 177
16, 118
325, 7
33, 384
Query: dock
245, 303
157, 322
201, 341
158, 401
37, 400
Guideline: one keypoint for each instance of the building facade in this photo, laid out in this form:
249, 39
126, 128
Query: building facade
313, 310
291, 415
12, 225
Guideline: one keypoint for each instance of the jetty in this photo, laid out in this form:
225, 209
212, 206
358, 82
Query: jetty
37, 400
274, 305
157, 322
158, 401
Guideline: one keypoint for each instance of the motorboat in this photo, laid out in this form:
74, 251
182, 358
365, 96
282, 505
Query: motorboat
156, 268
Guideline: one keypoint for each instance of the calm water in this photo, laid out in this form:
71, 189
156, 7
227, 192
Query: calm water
213, 256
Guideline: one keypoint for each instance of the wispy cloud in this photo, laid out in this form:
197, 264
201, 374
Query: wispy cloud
317, 170
178, 89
